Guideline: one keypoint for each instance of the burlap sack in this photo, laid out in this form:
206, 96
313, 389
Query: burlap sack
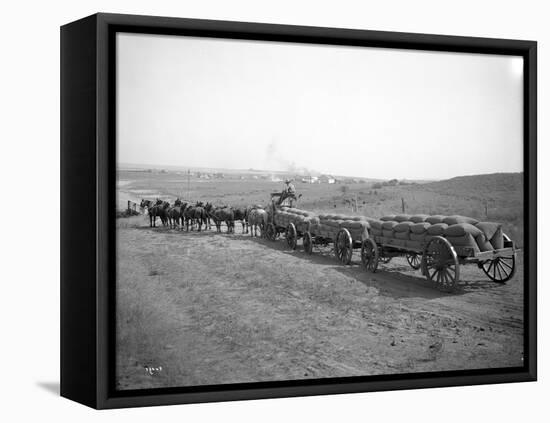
437, 218
493, 232
437, 229
388, 218
483, 243
389, 224
497, 240
419, 228
488, 228
376, 224
461, 229
403, 227
455, 219
350, 224
417, 218
387, 233
403, 218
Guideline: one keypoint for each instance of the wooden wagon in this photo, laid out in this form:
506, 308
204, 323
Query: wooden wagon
293, 228
439, 260
344, 237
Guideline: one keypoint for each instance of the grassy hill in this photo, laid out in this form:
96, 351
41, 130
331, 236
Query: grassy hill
494, 197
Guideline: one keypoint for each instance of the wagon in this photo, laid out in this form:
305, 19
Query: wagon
437, 257
292, 228
439, 260
343, 240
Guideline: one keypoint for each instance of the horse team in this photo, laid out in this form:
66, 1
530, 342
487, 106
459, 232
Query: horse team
182, 214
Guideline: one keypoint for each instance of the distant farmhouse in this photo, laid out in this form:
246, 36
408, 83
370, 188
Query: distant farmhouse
310, 180
327, 179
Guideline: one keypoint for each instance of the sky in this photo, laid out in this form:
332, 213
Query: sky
354, 111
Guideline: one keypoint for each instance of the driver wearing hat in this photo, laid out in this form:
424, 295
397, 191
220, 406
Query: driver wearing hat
288, 192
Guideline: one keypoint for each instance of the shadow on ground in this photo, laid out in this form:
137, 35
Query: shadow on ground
51, 387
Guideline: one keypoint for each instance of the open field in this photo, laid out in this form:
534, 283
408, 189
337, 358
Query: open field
213, 308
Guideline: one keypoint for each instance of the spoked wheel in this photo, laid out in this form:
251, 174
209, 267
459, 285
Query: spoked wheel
271, 232
291, 236
500, 269
440, 264
308, 243
414, 260
369, 255
343, 247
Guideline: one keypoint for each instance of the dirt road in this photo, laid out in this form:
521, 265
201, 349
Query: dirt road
206, 308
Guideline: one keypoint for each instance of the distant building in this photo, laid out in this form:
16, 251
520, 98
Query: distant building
327, 179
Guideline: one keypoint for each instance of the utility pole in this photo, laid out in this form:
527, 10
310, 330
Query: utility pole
188, 177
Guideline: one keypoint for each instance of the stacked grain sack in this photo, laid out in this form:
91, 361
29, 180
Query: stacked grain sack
461, 231
300, 218
330, 224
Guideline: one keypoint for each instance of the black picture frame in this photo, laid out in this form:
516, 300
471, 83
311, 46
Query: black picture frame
88, 215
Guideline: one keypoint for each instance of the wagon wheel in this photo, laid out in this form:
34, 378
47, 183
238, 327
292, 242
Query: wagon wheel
271, 232
343, 246
369, 255
440, 264
415, 260
291, 236
500, 269
308, 243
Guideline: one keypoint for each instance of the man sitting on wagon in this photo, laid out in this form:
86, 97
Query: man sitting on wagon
289, 192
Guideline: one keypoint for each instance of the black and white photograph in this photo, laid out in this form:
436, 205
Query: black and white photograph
291, 211
276, 211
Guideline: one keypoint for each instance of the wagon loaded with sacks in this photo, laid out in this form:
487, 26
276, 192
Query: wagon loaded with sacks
291, 222
344, 233
438, 245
